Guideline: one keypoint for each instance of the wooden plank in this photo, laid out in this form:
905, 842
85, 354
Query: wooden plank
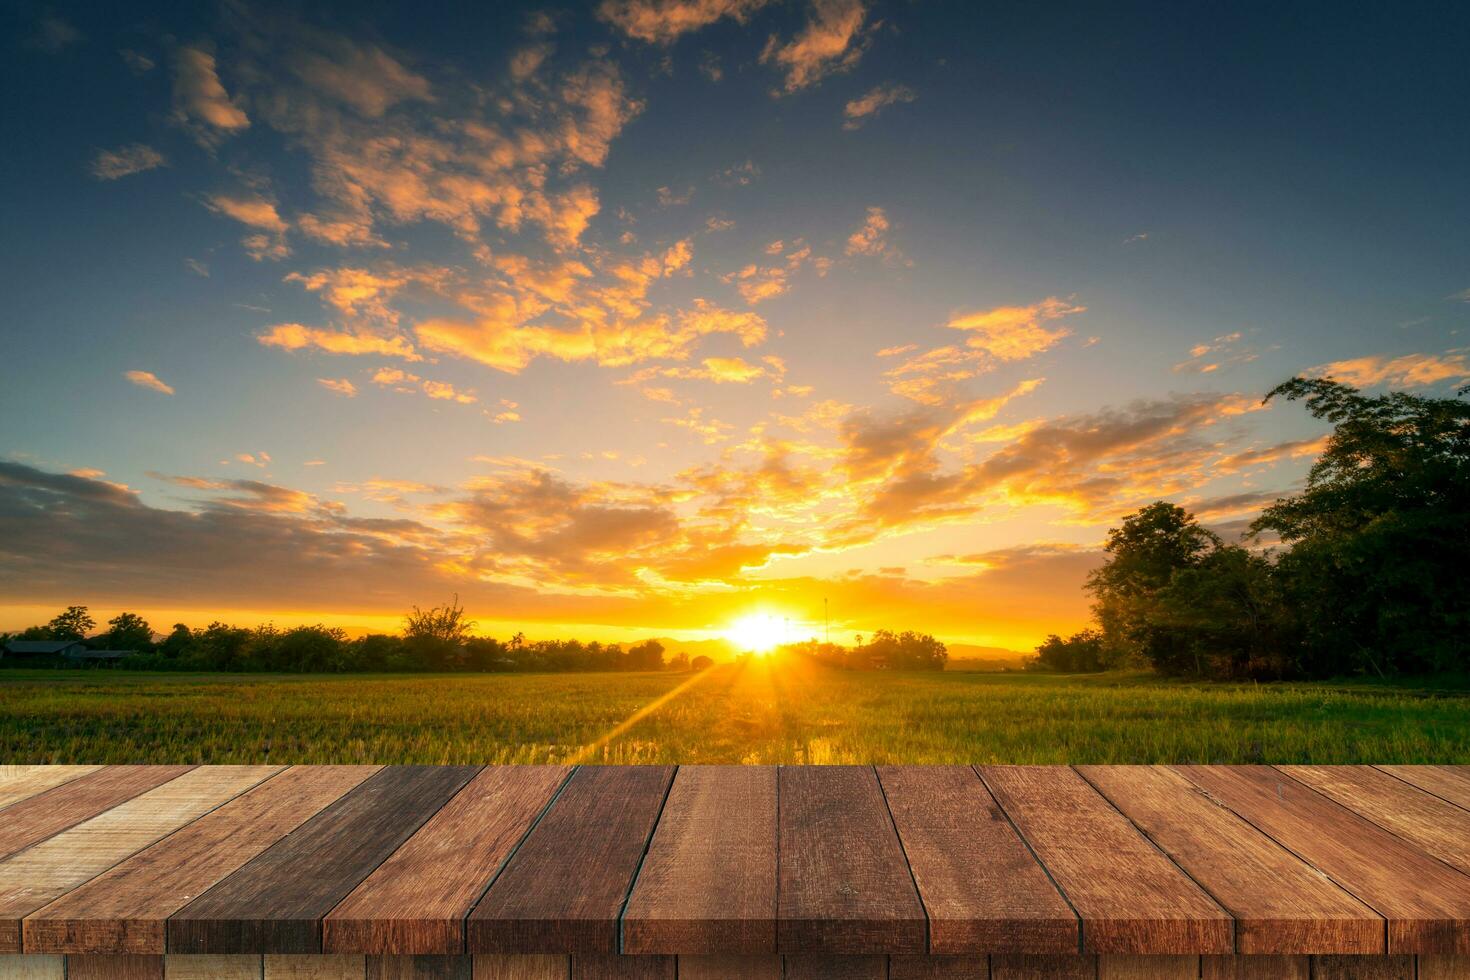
125, 967
708, 884
522, 966
565, 887
296, 966
416, 902
1280, 903
189, 966
611, 966
1443, 967
729, 968
982, 889
275, 903
419, 967
124, 910
1255, 967
1128, 967
845, 886
1022, 966
836, 967
1132, 899
1362, 968
1426, 902
1447, 782
74, 801
1433, 825
14, 966
938, 968
20, 782
44, 872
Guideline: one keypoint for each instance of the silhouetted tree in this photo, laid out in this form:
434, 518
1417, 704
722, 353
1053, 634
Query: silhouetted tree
73, 624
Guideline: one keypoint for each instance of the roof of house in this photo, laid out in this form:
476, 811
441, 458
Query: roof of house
101, 654
40, 646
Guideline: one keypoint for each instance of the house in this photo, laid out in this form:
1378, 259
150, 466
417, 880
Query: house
44, 648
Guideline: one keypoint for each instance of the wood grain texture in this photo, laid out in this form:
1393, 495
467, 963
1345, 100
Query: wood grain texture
708, 884
938, 968
565, 887
845, 887
417, 900
75, 801
1447, 782
187, 966
1132, 899
1443, 967
822, 966
1255, 967
275, 903
1362, 968
419, 967
611, 966
125, 967
729, 968
1034, 967
1430, 823
1147, 967
521, 966
124, 910
982, 889
40, 874
295, 966
20, 782
1426, 902
13, 966
1280, 903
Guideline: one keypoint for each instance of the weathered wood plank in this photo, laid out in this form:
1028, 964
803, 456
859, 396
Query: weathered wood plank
123, 967
1363, 968
74, 801
1426, 902
522, 966
565, 887
1256, 967
14, 966
275, 903
188, 966
1443, 967
938, 968
124, 909
416, 902
845, 887
1126, 967
611, 966
1426, 821
982, 889
21, 782
1022, 966
46, 871
1280, 903
729, 968
835, 967
419, 967
708, 884
1447, 782
1132, 899
295, 966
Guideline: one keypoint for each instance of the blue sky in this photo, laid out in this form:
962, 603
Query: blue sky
649, 314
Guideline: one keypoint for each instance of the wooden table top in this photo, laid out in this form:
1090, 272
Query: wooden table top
735, 860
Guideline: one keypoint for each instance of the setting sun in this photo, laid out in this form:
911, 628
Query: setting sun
758, 633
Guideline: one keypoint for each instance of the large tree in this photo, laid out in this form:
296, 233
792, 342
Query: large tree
1378, 540
74, 624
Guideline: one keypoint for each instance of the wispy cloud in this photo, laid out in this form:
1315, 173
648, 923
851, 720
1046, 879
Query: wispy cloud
200, 100
665, 21
149, 380
860, 109
1403, 371
126, 160
341, 386
832, 41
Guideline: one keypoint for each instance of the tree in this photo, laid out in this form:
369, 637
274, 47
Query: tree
701, 662
1080, 653
1378, 539
177, 643
1143, 556
129, 631
648, 655
446, 623
74, 624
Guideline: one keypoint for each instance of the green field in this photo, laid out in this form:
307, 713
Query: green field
759, 713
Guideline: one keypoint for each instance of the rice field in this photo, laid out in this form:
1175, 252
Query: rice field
759, 712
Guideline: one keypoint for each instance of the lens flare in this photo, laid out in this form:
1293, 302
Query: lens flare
758, 633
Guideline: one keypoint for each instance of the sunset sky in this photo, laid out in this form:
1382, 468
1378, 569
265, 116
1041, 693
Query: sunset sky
636, 318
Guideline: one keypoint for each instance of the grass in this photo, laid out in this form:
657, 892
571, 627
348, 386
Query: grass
760, 713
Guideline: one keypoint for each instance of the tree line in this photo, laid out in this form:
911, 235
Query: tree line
1369, 576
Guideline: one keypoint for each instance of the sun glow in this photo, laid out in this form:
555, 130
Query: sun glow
758, 633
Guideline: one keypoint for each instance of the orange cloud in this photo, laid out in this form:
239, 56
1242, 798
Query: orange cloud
831, 41
1404, 371
341, 386
1012, 333
126, 160
147, 379
875, 101
200, 100
664, 21
295, 336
